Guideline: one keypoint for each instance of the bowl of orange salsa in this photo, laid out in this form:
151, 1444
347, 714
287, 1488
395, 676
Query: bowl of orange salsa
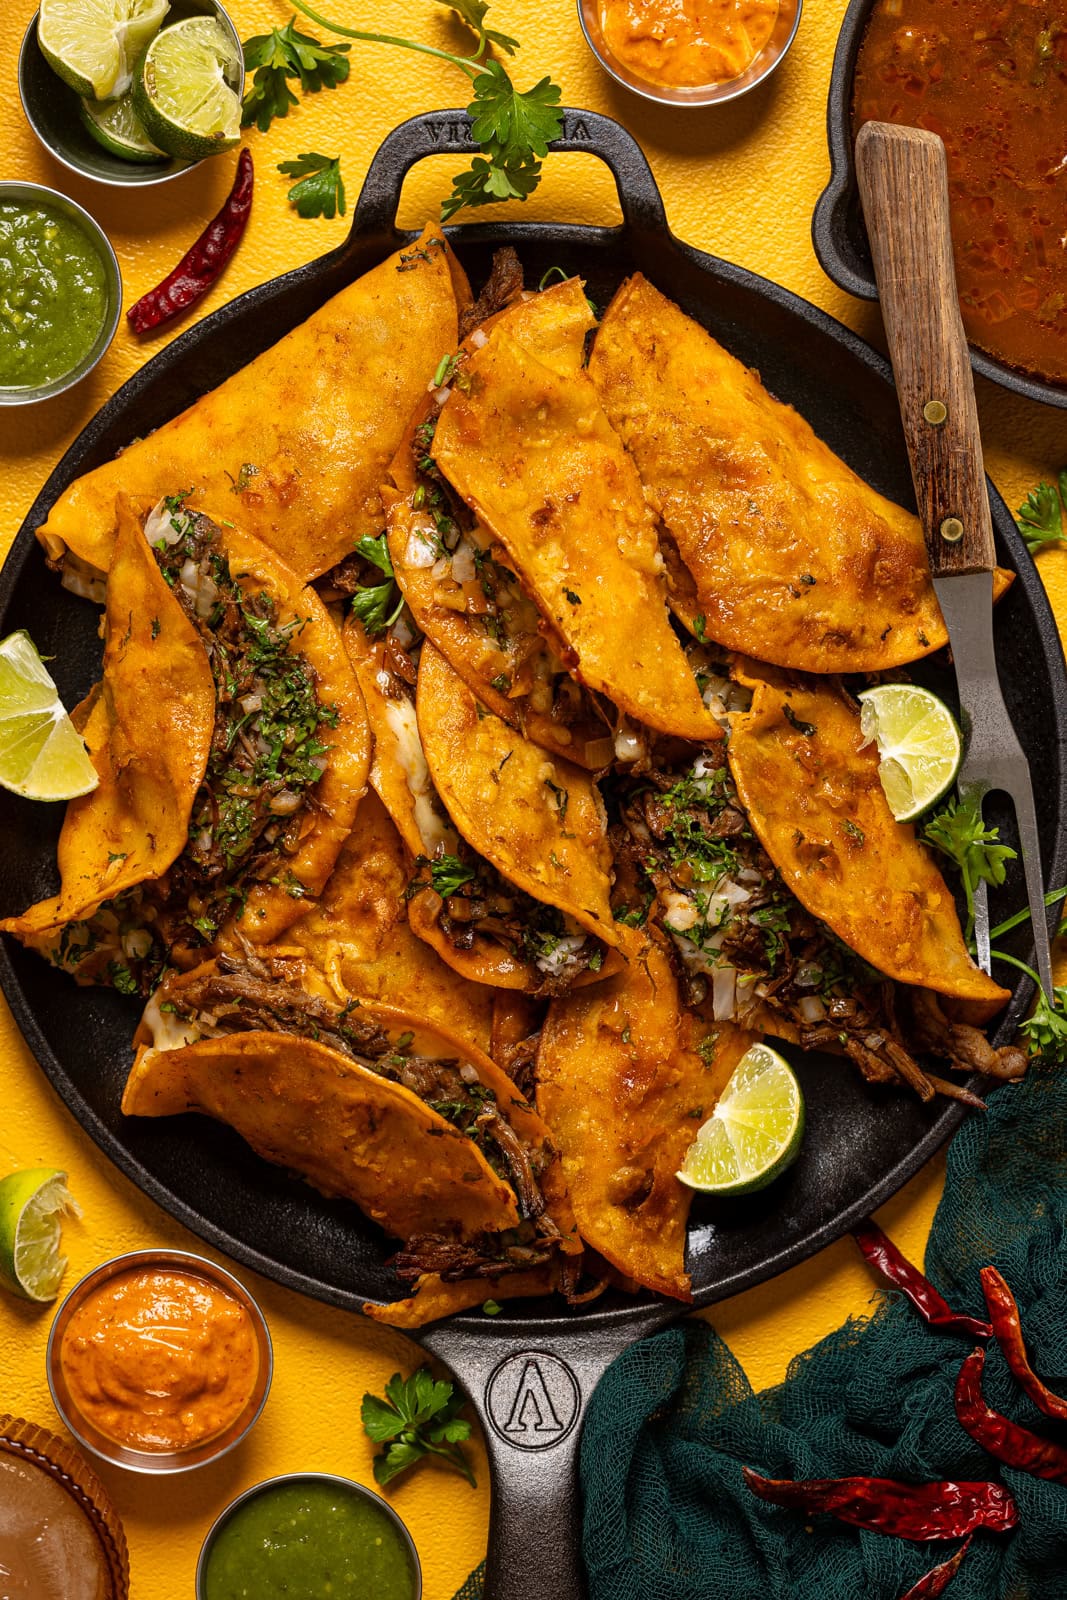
991, 81
159, 1361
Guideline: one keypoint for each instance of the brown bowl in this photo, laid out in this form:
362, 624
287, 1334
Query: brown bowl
158, 1461
40, 1451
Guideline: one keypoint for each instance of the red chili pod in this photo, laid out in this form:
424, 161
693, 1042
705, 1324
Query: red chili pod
882, 1505
883, 1254
1004, 1440
1007, 1327
203, 262
937, 1580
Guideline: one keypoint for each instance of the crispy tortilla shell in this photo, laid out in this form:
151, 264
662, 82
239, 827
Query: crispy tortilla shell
536, 459
148, 728
434, 1298
792, 557
297, 443
815, 801
624, 1087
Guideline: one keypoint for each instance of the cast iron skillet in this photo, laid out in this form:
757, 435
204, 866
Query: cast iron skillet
530, 1370
837, 228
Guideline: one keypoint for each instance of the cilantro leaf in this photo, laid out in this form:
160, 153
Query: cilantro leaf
472, 12
958, 833
376, 551
448, 873
372, 606
283, 54
321, 191
1046, 1029
1040, 516
419, 1416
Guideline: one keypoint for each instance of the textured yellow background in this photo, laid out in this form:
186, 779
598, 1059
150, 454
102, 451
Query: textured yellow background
739, 181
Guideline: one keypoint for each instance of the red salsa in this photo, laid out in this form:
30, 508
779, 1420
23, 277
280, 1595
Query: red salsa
989, 76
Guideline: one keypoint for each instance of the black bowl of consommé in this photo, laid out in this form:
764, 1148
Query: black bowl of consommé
992, 82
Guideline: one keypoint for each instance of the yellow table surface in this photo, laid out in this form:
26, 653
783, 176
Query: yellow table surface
740, 181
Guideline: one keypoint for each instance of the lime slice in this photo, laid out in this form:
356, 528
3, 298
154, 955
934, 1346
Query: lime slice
182, 90
116, 125
42, 757
919, 745
93, 44
31, 1204
754, 1133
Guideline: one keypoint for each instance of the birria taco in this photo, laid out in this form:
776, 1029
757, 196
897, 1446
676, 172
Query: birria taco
232, 745
780, 549
370, 1104
295, 445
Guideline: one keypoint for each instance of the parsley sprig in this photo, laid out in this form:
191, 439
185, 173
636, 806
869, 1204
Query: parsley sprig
1042, 517
321, 190
377, 605
281, 57
513, 127
959, 833
418, 1417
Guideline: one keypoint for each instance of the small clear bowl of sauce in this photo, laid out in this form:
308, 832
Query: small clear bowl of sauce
159, 1361
310, 1534
60, 293
689, 52
60, 1536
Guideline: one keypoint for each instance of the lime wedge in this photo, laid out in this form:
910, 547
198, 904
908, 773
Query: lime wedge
93, 44
116, 125
919, 745
754, 1133
42, 757
31, 1205
183, 90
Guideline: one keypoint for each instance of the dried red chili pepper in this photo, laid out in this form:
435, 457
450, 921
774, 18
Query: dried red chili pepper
1004, 1439
910, 1511
201, 265
1004, 1315
937, 1580
883, 1254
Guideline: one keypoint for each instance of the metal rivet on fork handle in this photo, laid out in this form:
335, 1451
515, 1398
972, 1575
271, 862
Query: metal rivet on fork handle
935, 412
951, 530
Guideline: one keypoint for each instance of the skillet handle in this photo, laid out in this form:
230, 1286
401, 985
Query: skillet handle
529, 1385
447, 132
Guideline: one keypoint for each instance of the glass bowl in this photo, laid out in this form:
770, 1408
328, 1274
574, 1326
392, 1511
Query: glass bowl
711, 94
158, 1461
37, 193
51, 108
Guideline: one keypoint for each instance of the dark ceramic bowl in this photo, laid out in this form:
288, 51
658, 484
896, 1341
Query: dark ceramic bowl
837, 229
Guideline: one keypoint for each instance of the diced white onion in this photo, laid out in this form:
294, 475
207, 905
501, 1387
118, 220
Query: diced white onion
284, 804
479, 338
808, 975
403, 633
463, 568
469, 1072
441, 395
562, 955
442, 568
251, 702
159, 525
811, 1008
207, 595
136, 944
628, 745
189, 574
679, 912
418, 552
723, 993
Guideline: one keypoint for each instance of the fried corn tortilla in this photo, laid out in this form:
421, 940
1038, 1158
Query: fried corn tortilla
465, 598
296, 444
625, 1078
537, 461
812, 792
789, 554
434, 1298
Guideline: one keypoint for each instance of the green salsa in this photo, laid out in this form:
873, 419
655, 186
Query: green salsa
313, 1540
53, 294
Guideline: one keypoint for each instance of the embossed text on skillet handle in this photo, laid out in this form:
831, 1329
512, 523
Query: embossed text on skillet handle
529, 1383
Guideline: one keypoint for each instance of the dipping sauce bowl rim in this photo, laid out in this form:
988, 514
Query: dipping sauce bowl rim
158, 1462
24, 189
301, 1477
758, 71
150, 173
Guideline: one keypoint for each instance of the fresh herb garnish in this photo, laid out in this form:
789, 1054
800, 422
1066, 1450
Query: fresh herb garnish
321, 190
377, 605
282, 55
698, 627
449, 873
960, 835
491, 1308
1042, 517
418, 1417
853, 830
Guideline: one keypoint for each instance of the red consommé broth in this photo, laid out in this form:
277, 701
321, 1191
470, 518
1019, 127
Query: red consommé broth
991, 79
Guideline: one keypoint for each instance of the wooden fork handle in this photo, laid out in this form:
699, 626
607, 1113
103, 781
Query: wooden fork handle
903, 184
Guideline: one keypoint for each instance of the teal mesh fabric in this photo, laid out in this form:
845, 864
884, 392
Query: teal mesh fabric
667, 1516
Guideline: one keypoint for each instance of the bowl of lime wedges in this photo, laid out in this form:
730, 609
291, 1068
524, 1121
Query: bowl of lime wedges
134, 93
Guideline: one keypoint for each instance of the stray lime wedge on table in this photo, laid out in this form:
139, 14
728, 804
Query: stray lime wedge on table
183, 90
32, 1203
919, 745
115, 125
754, 1133
42, 756
93, 44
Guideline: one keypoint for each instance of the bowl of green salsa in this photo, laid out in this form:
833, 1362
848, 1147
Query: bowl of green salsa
312, 1535
60, 293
